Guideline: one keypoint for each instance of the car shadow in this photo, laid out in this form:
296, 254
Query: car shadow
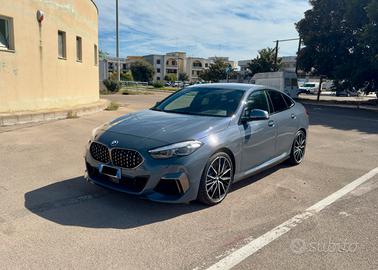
74, 202
345, 119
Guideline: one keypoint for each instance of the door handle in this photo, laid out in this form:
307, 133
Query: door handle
293, 116
271, 123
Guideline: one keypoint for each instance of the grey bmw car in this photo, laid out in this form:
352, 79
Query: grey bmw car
198, 141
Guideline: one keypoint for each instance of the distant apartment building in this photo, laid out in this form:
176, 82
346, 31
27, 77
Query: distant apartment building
163, 64
48, 54
157, 61
170, 63
108, 65
288, 63
194, 66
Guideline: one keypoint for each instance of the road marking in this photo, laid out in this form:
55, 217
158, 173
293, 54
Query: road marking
247, 250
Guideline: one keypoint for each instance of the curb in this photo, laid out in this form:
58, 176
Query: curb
358, 107
17, 118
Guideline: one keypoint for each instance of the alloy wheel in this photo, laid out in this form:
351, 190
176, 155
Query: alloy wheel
299, 147
218, 178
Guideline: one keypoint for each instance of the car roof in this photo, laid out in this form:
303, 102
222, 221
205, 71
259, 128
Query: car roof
236, 86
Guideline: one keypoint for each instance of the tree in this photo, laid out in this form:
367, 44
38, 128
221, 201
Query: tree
264, 62
102, 55
215, 72
111, 85
341, 39
183, 77
170, 77
142, 71
125, 76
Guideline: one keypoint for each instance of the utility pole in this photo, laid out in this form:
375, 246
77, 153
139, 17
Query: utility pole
117, 46
320, 88
299, 49
276, 55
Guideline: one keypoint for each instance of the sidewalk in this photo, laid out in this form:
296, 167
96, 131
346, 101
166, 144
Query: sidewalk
339, 105
8, 119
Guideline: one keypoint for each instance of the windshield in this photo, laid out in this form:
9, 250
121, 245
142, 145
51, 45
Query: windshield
203, 101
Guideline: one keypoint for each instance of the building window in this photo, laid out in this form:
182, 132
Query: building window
6, 33
158, 70
79, 49
95, 55
158, 61
62, 51
158, 78
171, 71
206, 65
197, 64
124, 67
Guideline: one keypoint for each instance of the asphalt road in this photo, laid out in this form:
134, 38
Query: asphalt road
51, 218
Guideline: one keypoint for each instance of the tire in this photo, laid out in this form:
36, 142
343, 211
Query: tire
298, 148
216, 179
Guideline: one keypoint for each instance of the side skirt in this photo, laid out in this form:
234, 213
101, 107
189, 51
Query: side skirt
261, 167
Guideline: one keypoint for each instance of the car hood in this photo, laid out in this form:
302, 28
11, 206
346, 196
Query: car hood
167, 127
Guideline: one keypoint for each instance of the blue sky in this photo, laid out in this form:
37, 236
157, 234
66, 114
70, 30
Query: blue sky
203, 28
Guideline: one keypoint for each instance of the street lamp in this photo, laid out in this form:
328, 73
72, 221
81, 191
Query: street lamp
285, 40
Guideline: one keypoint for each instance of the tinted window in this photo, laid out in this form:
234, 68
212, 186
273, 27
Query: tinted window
203, 101
257, 100
278, 102
289, 101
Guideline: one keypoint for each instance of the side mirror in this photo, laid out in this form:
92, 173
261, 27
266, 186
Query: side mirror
157, 103
256, 114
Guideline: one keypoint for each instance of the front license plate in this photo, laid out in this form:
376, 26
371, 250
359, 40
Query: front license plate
113, 172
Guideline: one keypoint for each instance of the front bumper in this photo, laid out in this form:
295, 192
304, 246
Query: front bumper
174, 180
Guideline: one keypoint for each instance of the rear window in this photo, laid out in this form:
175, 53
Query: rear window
289, 101
278, 101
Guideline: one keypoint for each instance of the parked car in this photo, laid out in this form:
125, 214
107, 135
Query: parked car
177, 84
309, 88
347, 93
197, 142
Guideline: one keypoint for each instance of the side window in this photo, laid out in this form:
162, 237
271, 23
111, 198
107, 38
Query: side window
6, 33
62, 50
278, 101
289, 101
257, 100
79, 49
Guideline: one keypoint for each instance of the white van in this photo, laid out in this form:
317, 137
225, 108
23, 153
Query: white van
283, 81
309, 88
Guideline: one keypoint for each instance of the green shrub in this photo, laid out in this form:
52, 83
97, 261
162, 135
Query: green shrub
113, 106
158, 84
112, 86
170, 77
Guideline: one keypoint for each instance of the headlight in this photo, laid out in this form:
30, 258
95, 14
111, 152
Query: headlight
177, 149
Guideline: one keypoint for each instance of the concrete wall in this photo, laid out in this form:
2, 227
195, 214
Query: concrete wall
32, 76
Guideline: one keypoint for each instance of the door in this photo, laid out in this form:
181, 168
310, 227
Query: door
258, 136
285, 120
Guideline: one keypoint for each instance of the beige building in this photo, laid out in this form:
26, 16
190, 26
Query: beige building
177, 62
48, 54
